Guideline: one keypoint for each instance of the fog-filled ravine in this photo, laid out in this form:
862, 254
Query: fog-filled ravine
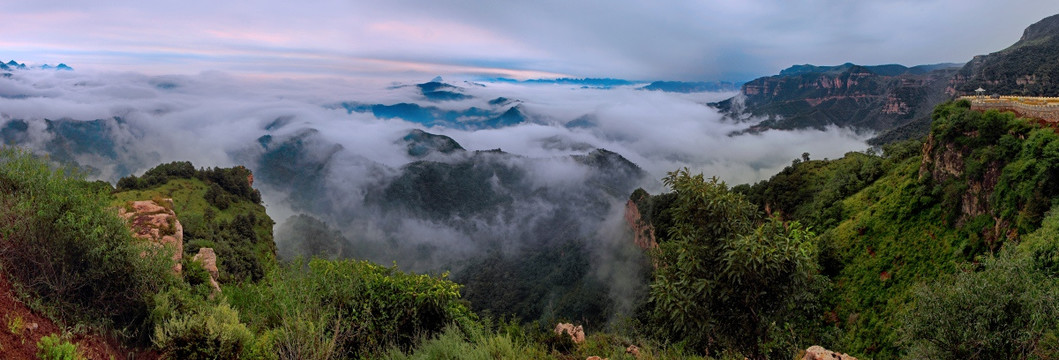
516, 188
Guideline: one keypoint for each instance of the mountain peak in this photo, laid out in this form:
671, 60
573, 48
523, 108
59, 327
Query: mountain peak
1042, 29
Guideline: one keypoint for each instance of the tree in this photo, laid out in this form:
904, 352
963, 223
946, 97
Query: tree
721, 281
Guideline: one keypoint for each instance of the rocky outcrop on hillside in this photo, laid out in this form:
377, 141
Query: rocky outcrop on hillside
208, 259
643, 231
877, 98
817, 352
946, 161
577, 333
157, 223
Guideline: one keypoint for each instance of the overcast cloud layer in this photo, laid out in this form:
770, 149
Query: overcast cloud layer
671, 40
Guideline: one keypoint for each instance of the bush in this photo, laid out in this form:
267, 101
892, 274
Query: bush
1004, 310
348, 308
210, 332
63, 246
52, 347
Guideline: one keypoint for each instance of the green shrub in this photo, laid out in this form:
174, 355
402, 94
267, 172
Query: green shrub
212, 332
1003, 310
62, 245
349, 308
52, 347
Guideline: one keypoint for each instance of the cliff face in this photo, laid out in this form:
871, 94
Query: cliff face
870, 97
946, 162
643, 231
1027, 67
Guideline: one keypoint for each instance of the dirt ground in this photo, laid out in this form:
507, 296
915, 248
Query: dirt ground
21, 329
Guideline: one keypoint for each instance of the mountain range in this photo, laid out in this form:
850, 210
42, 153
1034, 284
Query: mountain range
894, 101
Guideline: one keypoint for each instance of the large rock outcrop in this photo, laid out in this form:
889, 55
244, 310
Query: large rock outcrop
643, 231
577, 333
208, 259
816, 352
156, 223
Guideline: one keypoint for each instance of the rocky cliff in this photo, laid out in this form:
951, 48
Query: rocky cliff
156, 222
946, 162
643, 231
893, 100
878, 98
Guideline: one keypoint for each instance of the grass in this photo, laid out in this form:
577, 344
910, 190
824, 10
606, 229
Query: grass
15, 325
510, 341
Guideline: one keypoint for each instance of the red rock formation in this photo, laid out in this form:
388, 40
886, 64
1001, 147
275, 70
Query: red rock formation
156, 223
643, 232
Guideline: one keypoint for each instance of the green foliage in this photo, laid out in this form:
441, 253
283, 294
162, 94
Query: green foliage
1002, 310
546, 284
325, 309
63, 247
210, 332
1019, 157
721, 281
811, 191
240, 234
509, 340
53, 347
452, 344
192, 322
911, 226
15, 324
235, 181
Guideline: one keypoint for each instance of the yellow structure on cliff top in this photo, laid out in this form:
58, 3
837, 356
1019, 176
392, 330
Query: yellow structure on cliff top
1043, 108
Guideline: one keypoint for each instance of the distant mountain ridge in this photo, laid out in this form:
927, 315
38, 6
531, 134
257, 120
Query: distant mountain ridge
878, 98
1028, 67
892, 100
15, 65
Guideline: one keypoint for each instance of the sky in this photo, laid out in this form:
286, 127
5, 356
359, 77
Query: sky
697, 40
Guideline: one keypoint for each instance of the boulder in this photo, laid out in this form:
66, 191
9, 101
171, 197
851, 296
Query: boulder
633, 350
156, 223
817, 352
577, 333
208, 259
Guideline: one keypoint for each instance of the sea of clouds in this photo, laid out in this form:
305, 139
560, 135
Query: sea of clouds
216, 119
